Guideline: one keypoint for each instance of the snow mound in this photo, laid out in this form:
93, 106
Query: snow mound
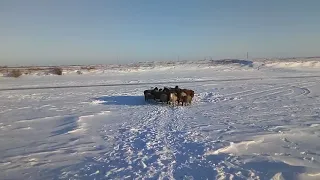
294, 64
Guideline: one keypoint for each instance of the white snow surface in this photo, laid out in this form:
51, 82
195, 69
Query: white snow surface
244, 123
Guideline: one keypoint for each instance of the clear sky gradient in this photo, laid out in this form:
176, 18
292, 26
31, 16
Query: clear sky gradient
39, 32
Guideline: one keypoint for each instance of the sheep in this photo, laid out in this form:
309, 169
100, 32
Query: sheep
170, 95
173, 98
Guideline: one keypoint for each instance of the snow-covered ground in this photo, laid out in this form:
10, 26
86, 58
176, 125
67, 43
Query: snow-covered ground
245, 122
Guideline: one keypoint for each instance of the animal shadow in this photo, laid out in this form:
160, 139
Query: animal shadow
122, 100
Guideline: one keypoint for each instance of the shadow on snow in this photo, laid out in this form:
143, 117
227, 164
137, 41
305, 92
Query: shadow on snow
122, 100
125, 100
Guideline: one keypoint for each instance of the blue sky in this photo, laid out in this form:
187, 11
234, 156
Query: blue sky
108, 31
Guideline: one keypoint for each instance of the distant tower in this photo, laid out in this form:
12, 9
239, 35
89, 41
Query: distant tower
247, 55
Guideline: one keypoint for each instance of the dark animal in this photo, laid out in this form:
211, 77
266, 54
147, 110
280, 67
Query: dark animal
177, 89
165, 89
157, 94
164, 98
148, 96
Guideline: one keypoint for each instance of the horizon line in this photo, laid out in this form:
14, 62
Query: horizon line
168, 61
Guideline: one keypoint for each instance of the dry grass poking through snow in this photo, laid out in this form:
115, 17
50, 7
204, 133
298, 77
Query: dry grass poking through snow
57, 71
15, 73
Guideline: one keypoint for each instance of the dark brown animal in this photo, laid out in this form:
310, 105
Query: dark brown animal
188, 92
180, 95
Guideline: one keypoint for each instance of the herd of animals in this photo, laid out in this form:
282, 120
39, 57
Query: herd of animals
173, 96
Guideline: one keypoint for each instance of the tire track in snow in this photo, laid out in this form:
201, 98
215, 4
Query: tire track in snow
305, 90
292, 87
275, 88
294, 91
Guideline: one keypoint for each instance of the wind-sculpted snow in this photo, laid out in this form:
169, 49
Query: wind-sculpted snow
256, 128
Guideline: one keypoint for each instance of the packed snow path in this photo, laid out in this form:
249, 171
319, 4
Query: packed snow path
252, 129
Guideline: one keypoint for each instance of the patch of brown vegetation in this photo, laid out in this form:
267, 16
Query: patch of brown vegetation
15, 73
56, 70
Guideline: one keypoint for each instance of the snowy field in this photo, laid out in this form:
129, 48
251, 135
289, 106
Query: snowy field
258, 121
